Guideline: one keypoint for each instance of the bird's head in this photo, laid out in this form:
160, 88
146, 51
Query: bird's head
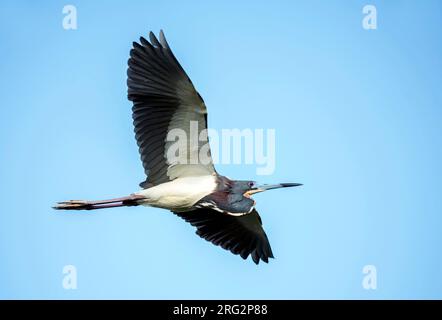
252, 187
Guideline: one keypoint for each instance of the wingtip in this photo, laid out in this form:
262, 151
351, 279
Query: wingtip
163, 40
255, 257
153, 39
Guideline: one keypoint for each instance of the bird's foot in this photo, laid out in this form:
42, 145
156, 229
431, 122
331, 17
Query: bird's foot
71, 204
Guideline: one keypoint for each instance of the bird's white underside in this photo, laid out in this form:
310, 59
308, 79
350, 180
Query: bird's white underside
179, 193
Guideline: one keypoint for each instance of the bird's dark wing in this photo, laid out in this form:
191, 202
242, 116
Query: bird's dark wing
164, 99
241, 235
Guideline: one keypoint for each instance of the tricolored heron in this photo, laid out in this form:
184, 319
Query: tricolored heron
164, 99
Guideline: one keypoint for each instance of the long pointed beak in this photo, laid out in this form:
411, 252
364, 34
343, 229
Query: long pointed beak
265, 187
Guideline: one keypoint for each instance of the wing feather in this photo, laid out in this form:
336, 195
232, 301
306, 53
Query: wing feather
241, 235
164, 99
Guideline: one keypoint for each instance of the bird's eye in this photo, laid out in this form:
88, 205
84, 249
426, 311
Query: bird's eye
251, 184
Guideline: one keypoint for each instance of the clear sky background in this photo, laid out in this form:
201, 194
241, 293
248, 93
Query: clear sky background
358, 120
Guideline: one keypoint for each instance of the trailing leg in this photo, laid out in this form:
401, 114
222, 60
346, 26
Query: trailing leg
131, 200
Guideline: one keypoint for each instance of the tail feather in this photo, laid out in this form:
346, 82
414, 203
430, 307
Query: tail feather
132, 200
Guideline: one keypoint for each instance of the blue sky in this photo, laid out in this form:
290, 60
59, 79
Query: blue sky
357, 115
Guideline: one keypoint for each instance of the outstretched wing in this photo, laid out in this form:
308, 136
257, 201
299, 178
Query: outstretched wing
164, 99
241, 235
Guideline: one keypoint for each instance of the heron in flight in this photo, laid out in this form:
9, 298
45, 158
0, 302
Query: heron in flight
165, 99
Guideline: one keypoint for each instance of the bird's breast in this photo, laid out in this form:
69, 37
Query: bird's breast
179, 194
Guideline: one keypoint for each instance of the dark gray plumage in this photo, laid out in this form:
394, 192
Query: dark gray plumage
164, 98
241, 235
